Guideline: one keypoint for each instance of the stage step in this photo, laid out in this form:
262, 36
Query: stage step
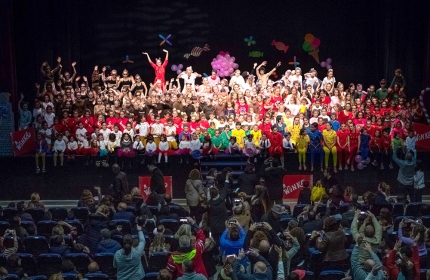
219, 164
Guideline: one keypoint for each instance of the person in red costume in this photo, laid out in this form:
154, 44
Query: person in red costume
275, 138
159, 68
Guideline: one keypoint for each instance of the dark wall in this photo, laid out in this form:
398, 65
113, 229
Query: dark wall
367, 40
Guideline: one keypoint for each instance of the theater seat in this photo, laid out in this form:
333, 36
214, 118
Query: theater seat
126, 226
36, 213
80, 260
171, 224
58, 213
413, 209
28, 263
49, 264
9, 213
157, 261
38, 277
298, 209
36, 245
3, 227
44, 228
331, 275
11, 277
151, 276
105, 262
81, 213
70, 276
96, 276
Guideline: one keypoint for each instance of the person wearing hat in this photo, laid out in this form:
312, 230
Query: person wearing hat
273, 217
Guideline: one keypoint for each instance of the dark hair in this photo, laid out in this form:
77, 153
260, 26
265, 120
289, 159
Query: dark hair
330, 224
249, 168
419, 165
67, 266
293, 276
234, 234
189, 266
128, 243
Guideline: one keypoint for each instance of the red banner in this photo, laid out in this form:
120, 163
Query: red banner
23, 141
144, 185
423, 135
293, 184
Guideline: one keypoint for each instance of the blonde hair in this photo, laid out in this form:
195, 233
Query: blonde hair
103, 209
135, 191
35, 197
384, 187
184, 229
57, 276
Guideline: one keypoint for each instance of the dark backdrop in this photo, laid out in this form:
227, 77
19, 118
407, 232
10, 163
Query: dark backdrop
367, 40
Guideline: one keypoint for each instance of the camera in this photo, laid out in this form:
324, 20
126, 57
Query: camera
229, 256
183, 220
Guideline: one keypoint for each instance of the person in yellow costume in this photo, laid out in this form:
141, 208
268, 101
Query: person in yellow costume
302, 143
330, 138
295, 130
256, 132
239, 133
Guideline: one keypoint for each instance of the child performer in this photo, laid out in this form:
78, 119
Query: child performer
159, 68
184, 148
302, 143
41, 148
138, 148
102, 143
126, 151
59, 149
364, 146
163, 149
150, 148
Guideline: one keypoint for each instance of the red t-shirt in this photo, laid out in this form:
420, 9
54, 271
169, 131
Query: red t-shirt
342, 136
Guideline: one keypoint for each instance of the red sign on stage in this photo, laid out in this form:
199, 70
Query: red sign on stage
293, 184
145, 189
423, 135
23, 141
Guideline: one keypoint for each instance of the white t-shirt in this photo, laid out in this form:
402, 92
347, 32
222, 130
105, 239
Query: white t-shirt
49, 118
105, 133
48, 134
143, 128
72, 145
169, 130
195, 145
327, 81
184, 144
80, 133
189, 79
157, 129
163, 146
151, 147
311, 81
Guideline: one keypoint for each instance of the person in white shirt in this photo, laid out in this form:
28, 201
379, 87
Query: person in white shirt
330, 79
157, 129
47, 133
49, 116
143, 128
102, 144
312, 80
150, 149
129, 129
189, 78
213, 80
411, 140
81, 132
105, 131
163, 149
138, 147
72, 147
237, 79
170, 131
264, 146
59, 149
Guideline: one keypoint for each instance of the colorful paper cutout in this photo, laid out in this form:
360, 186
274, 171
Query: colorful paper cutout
327, 63
295, 63
197, 51
177, 68
311, 45
280, 46
127, 60
256, 54
165, 40
250, 41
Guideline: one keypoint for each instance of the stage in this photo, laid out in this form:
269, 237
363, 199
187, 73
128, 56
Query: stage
19, 180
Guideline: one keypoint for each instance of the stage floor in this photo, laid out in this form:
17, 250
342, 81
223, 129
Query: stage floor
18, 178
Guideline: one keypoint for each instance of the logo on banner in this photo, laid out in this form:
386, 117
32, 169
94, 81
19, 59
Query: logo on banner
145, 186
293, 184
423, 135
23, 141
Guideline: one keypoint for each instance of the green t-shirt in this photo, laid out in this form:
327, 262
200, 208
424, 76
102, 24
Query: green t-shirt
381, 93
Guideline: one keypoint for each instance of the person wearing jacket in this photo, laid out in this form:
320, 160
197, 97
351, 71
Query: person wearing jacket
403, 262
262, 270
127, 260
58, 246
288, 255
194, 193
406, 174
107, 245
370, 269
382, 196
332, 244
232, 238
187, 251
419, 182
189, 272
305, 194
157, 182
274, 176
370, 232
218, 210
247, 180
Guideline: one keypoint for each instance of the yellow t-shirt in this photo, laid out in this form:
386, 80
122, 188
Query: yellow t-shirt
302, 142
257, 136
295, 132
239, 134
330, 137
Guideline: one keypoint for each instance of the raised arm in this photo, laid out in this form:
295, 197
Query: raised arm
74, 71
147, 55
274, 69
58, 66
167, 55
258, 69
